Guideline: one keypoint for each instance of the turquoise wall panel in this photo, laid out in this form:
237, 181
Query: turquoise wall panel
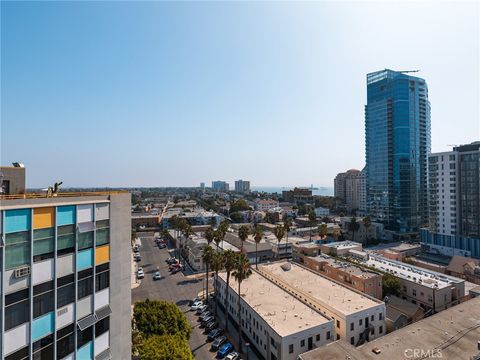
84, 259
85, 352
18, 220
66, 215
43, 326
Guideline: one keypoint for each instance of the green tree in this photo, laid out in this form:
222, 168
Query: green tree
279, 232
257, 236
241, 273
243, 233
165, 347
367, 222
353, 226
239, 205
229, 262
217, 265
236, 217
313, 219
391, 285
287, 224
322, 230
158, 317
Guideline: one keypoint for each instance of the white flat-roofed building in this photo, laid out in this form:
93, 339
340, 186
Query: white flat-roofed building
340, 247
276, 323
357, 317
429, 289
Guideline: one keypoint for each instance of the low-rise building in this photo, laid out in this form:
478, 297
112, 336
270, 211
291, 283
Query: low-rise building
429, 289
364, 234
357, 317
278, 325
452, 334
321, 211
265, 204
298, 196
261, 251
340, 247
12, 179
366, 281
304, 248
401, 312
465, 268
193, 250
401, 251
149, 220
196, 216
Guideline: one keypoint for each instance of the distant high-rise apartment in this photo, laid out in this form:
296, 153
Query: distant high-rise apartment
397, 144
346, 187
454, 201
362, 193
66, 275
242, 186
202, 185
220, 186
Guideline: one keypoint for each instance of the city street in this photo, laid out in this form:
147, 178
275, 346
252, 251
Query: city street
175, 288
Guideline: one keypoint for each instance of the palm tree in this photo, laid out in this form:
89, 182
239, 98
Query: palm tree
186, 230
287, 224
279, 232
242, 272
207, 256
243, 232
312, 218
209, 236
353, 226
229, 262
257, 235
367, 222
322, 230
217, 265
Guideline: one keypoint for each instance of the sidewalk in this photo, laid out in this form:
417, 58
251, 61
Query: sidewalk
232, 335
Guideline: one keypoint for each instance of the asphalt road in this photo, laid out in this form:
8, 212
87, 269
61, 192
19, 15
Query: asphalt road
174, 288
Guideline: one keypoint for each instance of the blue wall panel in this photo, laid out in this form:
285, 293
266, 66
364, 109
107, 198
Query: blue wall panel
66, 215
84, 259
85, 352
42, 326
18, 220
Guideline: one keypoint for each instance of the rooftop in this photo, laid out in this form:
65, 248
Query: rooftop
321, 289
404, 247
283, 312
346, 267
344, 244
43, 195
412, 273
454, 332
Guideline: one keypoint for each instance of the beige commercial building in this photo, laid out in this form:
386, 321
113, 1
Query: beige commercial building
340, 247
357, 317
278, 325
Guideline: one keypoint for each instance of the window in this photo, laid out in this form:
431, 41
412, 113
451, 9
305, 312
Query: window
338, 324
85, 287
372, 318
85, 240
64, 280
102, 326
103, 236
351, 326
290, 349
43, 244
43, 348
328, 335
380, 329
65, 295
302, 343
380, 316
317, 338
85, 336
65, 239
19, 354
17, 314
414, 292
360, 322
43, 304
373, 331
17, 249
352, 340
65, 341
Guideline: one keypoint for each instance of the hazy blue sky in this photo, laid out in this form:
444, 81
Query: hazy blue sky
151, 94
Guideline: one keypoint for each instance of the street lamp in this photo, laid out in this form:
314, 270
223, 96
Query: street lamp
247, 344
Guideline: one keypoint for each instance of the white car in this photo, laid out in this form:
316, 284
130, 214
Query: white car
233, 356
196, 305
140, 273
157, 276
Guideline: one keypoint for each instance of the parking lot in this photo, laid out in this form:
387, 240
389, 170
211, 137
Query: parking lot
175, 288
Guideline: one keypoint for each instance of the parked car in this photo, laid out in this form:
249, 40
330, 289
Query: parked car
162, 245
218, 342
196, 305
170, 260
140, 273
233, 356
207, 320
212, 335
193, 301
224, 350
201, 309
204, 315
210, 326
157, 276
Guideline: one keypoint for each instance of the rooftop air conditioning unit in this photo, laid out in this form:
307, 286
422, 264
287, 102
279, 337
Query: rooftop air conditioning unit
21, 272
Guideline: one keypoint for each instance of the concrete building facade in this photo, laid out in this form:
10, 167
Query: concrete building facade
65, 270
12, 180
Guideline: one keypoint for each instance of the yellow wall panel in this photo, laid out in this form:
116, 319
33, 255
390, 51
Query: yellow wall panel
102, 254
43, 217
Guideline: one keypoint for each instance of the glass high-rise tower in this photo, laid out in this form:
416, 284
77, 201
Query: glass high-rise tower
397, 144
